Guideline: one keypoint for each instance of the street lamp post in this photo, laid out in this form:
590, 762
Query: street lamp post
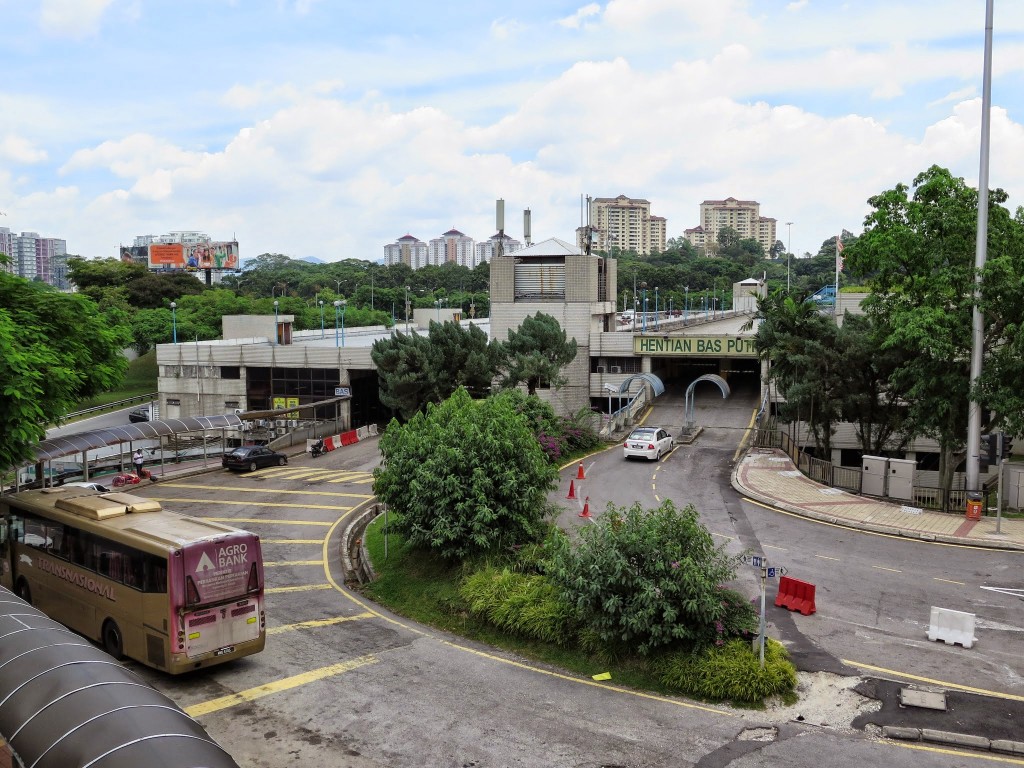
643, 287
789, 250
407, 309
174, 321
344, 304
657, 309
321, 303
437, 307
277, 322
337, 313
686, 304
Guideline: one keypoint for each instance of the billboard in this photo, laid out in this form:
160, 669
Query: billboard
211, 255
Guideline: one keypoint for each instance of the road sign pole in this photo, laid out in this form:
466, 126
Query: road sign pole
764, 582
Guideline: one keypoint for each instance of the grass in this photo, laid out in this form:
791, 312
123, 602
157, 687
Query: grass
139, 381
416, 585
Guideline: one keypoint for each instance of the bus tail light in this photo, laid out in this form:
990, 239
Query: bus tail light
254, 580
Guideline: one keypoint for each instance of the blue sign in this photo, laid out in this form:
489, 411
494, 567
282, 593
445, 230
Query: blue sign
757, 561
771, 573
342, 392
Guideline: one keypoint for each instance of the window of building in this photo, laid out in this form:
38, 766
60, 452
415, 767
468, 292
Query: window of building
230, 372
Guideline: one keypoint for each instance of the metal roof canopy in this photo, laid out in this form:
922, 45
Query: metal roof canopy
64, 702
56, 447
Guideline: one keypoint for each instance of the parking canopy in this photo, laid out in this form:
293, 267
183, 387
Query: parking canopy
64, 702
67, 445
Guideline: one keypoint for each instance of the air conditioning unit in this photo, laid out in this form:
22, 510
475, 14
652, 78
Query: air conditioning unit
616, 369
601, 369
246, 426
261, 423
293, 423
281, 423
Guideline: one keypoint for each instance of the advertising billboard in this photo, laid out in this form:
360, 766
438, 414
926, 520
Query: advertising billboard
210, 255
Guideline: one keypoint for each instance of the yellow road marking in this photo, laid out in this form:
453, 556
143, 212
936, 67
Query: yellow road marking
958, 753
723, 536
291, 541
306, 588
318, 623
826, 557
769, 546
883, 568
262, 490
251, 694
949, 581
262, 504
267, 520
292, 562
930, 681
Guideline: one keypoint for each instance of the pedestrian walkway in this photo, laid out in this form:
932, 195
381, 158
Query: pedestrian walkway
770, 477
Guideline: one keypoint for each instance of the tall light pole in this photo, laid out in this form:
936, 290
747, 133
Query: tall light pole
656, 309
321, 303
337, 312
344, 304
174, 321
686, 304
276, 321
407, 309
643, 287
789, 250
437, 306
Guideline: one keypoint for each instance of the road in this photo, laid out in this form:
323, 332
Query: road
345, 684
873, 592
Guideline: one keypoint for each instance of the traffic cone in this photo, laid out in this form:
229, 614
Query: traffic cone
572, 490
586, 508
580, 474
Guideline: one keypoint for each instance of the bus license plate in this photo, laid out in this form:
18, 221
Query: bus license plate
226, 649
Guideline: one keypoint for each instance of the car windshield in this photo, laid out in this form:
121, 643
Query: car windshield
240, 452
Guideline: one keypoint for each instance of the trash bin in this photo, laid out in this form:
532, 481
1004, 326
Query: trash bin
973, 505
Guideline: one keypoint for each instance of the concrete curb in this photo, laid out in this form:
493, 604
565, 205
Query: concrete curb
860, 526
1004, 746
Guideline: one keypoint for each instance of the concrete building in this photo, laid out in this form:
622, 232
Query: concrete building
487, 249
33, 257
407, 250
453, 247
625, 223
744, 216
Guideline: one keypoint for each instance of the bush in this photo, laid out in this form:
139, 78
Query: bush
642, 580
465, 478
522, 604
730, 672
557, 436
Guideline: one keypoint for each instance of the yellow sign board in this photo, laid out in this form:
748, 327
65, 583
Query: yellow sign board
695, 346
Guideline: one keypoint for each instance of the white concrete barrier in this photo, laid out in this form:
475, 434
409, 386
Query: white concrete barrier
951, 627
373, 429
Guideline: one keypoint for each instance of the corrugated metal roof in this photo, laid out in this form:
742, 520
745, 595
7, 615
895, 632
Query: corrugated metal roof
64, 702
66, 445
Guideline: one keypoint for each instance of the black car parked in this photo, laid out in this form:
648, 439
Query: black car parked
139, 414
252, 457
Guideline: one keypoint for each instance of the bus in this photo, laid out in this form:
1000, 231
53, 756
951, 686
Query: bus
171, 591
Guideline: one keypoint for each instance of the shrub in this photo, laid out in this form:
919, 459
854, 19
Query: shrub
730, 672
522, 604
645, 579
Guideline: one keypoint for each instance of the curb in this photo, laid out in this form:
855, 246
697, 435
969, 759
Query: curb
872, 527
1004, 746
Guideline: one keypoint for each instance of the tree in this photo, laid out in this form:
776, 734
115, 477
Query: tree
465, 478
645, 579
536, 353
55, 350
917, 255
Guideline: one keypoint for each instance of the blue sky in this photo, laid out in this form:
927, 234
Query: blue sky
329, 128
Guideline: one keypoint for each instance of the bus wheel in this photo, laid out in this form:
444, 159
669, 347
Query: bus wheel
24, 592
112, 642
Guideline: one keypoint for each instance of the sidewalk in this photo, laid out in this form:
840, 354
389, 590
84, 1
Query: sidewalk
770, 477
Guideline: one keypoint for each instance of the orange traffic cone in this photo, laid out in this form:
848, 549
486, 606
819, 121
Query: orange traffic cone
572, 490
580, 474
586, 508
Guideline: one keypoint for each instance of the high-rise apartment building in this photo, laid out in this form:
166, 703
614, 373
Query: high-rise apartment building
31, 256
407, 250
453, 247
488, 249
625, 223
744, 216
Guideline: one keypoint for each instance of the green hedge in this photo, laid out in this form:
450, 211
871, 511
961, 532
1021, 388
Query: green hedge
731, 672
520, 603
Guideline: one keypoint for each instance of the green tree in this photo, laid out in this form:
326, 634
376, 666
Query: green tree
536, 352
465, 478
55, 350
645, 579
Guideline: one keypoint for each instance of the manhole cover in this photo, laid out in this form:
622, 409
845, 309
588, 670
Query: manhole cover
912, 697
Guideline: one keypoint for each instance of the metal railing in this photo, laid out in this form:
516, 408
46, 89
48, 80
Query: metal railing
106, 407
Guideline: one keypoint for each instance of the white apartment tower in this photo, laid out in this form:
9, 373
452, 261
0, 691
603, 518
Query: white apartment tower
453, 247
625, 223
488, 249
744, 216
407, 250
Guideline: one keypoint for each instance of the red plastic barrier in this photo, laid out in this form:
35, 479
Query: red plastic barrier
796, 595
329, 443
349, 438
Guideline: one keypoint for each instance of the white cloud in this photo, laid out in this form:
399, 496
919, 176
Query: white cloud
72, 18
131, 157
578, 19
18, 149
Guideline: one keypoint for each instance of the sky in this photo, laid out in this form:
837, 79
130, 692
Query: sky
330, 128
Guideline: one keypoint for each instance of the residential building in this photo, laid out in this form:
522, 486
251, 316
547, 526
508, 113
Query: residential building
31, 256
488, 249
625, 223
744, 216
407, 250
453, 247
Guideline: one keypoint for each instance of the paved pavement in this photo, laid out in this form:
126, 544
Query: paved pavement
770, 477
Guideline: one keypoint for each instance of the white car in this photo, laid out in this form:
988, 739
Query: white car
90, 486
650, 443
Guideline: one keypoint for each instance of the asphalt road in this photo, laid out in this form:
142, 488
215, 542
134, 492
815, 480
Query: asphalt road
347, 685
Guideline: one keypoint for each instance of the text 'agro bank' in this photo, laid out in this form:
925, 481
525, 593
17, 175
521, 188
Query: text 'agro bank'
703, 346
